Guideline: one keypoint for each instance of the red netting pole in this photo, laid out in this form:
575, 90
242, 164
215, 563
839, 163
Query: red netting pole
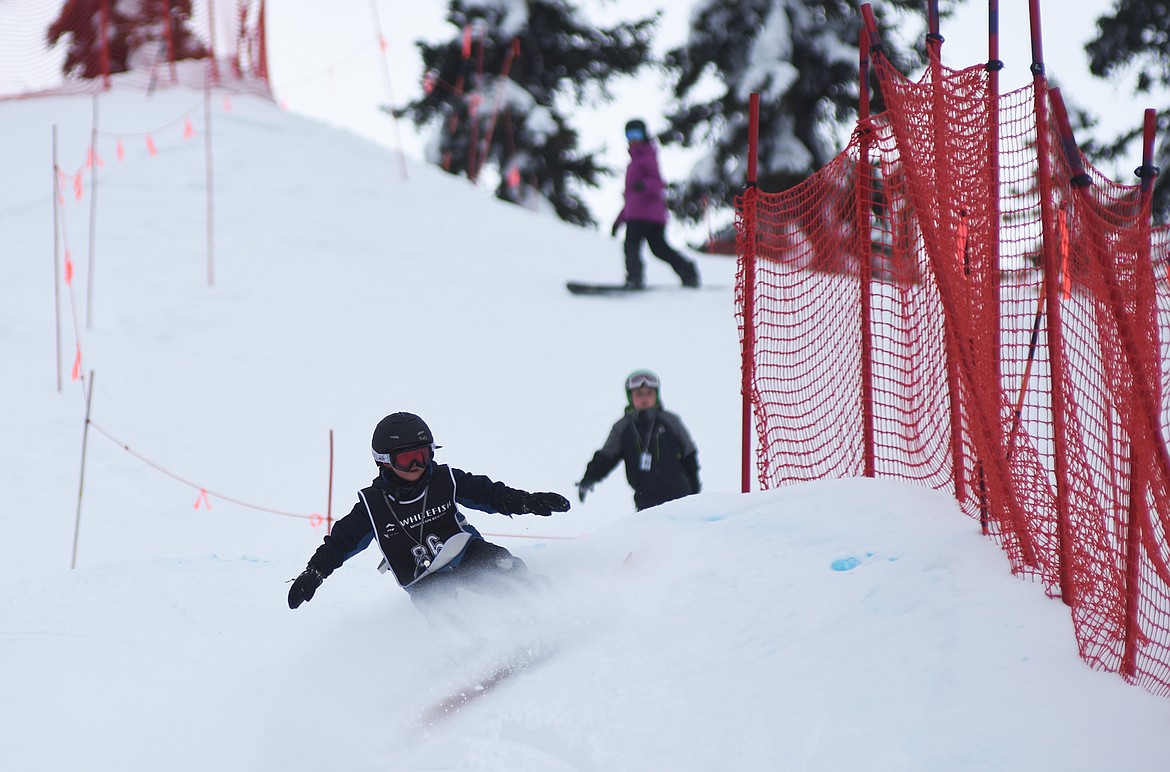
934, 40
994, 65
1051, 279
749, 295
1140, 469
1138, 517
865, 200
954, 346
1148, 172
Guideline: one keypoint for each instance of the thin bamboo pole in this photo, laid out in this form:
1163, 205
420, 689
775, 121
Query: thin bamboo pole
56, 258
93, 190
210, 185
81, 478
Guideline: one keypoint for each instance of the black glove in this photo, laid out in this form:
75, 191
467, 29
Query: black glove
304, 586
544, 504
613, 231
583, 488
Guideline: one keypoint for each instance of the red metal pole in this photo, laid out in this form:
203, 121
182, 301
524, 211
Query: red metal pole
994, 65
749, 293
1051, 278
1138, 506
865, 194
955, 347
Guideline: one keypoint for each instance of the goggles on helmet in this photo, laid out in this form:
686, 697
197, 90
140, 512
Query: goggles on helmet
635, 135
638, 380
407, 459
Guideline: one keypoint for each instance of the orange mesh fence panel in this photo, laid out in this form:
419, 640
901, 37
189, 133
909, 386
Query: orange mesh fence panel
947, 302
220, 44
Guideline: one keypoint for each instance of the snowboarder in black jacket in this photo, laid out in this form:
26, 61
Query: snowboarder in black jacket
412, 511
662, 463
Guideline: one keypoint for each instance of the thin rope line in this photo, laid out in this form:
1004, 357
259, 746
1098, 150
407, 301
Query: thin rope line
187, 482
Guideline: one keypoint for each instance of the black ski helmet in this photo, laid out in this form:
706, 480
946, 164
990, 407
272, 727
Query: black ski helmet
637, 124
399, 431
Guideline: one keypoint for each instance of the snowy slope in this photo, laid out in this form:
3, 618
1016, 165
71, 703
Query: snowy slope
713, 633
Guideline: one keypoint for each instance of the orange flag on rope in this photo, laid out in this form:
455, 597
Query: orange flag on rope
77, 364
150, 148
77, 186
121, 151
188, 129
202, 499
68, 267
227, 104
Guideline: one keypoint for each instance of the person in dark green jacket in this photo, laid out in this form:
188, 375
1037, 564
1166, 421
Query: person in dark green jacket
662, 463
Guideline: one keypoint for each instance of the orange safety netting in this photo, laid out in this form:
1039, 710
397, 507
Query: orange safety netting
152, 52
948, 302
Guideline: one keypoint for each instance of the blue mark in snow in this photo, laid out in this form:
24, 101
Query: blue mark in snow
845, 564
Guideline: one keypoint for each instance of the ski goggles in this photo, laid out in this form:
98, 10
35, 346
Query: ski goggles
408, 459
638, 380
635, 135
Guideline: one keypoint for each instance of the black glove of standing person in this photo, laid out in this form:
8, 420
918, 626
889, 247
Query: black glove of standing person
613, 231
583, 489
304, 586
544, 504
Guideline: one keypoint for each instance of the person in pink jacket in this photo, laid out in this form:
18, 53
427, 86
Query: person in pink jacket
644, 213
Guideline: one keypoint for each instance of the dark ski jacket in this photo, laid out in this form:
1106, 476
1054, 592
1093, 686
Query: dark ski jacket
411, 522
674, 460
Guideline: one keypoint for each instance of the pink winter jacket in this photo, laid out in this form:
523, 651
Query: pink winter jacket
645, 190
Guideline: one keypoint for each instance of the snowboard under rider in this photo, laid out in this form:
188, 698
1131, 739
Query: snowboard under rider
412, 512
662, 463
644, 212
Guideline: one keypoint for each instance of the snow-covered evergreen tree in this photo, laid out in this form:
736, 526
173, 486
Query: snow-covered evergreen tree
496, 94
1136, 38
145, 30
801, 56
